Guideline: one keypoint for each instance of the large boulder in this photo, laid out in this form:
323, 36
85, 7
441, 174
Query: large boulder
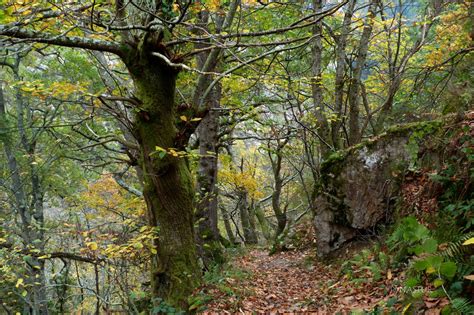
360, 186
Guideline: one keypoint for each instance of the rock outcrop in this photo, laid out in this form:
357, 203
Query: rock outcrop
360, 186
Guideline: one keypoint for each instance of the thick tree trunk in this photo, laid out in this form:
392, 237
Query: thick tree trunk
208, 236
168, 188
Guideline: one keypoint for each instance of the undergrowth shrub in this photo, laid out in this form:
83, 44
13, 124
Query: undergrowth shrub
369, 265
440, 269
221, 279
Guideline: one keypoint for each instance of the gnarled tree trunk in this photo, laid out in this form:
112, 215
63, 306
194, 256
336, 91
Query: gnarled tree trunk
168, 188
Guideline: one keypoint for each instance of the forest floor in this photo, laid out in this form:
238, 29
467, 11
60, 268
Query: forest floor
291, 282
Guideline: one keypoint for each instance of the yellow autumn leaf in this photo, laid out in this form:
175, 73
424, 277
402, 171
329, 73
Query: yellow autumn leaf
469, 241
183, 118
92, 245
430, 270
27, 89
138, 245
173, 152
19, 282
405, 309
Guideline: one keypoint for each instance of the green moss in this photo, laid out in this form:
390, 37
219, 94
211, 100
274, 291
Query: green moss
168, 188
333, 166
418, 129
423, 126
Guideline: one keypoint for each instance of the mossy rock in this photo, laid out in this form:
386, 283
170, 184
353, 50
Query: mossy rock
359, 185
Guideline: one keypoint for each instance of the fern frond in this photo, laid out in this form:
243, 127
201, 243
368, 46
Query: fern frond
456, 251
463, 306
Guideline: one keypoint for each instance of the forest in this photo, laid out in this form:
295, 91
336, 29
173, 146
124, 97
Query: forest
236, 157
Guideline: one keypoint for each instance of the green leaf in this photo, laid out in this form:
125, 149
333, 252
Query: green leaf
417, 294
448, 269
434, 261
438, 282
411, 282
421, 232
430, 246
138, 245
420, 265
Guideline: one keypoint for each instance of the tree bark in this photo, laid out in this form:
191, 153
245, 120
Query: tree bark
227, 225
264, 224
206, 211
168, 188
31, 217
280, 213
354, 88
341, 44
250, 235
316, 84
208, 237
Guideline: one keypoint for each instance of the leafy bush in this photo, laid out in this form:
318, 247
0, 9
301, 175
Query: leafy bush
161, 307
369, 264
439, 268
220, 278
411, 237
457, 200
